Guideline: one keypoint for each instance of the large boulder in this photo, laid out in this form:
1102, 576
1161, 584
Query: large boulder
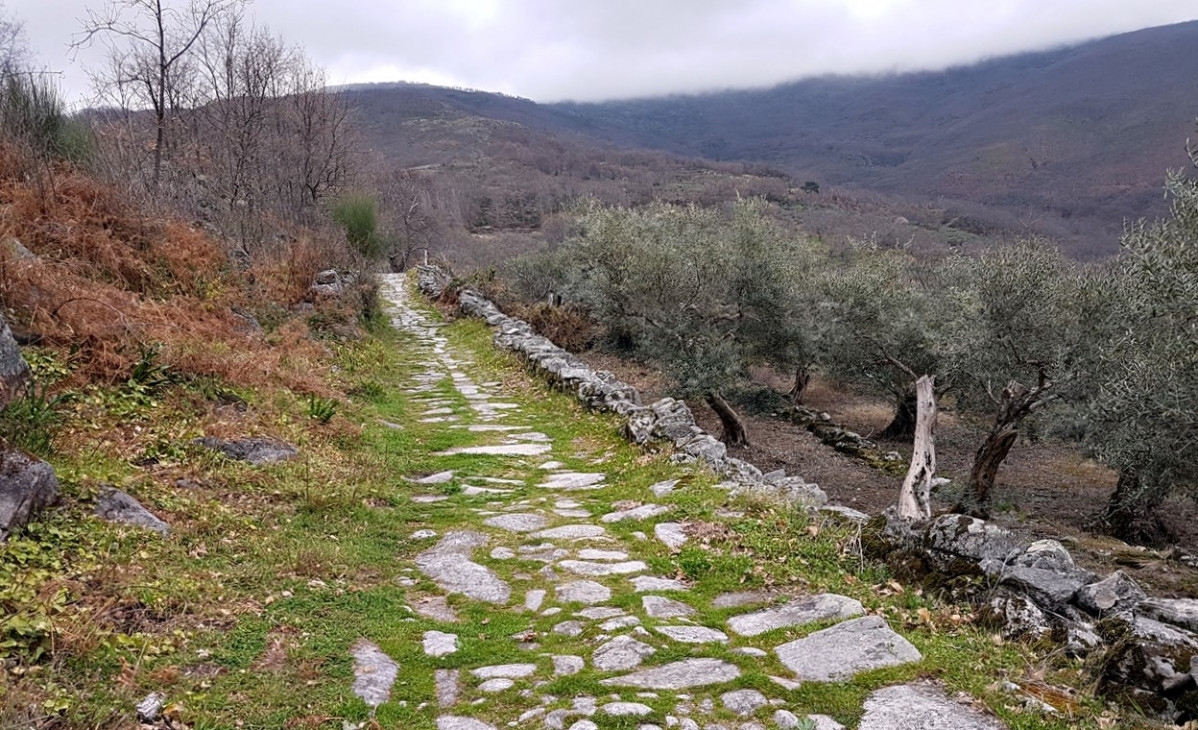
962, 544
1115, 595
114, 505
27, 486
14, 372
1148, 663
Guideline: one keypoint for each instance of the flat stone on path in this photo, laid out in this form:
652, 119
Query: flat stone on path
533, 599
449, 564
573, 481
744, 702
447, 687
567, 664
506, 671
598, 613
440, 477
499, 684
450, 722
626, 709
621, 653
644, 512
436, 608
742, 598
374, 673
800, 611
671, 534
500, 450
679, 675
662, 607
592, 554
571, 532
692, 634
439, 644
643, 583
661, 489
518, 522
582, 591
583, 567
921, 707
842, 651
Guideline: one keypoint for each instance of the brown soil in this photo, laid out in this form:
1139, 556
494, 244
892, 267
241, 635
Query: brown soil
1044, 489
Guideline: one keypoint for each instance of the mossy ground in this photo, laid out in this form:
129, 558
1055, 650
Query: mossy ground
244, 616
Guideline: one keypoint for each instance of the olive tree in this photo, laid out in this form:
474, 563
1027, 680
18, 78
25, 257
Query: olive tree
1142, 419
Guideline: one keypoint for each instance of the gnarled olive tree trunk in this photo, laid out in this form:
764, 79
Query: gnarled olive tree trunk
915, 497
735, 433
902, 426
1130, 513
1015, 403
799, 389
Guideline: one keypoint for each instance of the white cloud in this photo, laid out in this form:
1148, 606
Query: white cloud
590, 49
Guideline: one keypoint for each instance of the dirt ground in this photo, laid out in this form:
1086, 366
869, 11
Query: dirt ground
1044, 489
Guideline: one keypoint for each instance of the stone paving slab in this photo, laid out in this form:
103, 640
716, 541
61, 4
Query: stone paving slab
846, 649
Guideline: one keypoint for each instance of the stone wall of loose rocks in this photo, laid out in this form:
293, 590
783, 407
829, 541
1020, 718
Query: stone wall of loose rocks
666, 419
1140, 650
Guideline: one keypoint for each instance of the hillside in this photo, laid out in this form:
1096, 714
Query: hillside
1069, 142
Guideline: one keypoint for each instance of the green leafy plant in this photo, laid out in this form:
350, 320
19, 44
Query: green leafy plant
320, 409
29, 422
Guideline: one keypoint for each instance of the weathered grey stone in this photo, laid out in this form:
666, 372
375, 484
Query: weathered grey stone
584, 725
1148, 655
742, 598
1050, 589
441, 477
1116, 594
498, 449
848, 513
1181, 612
949, 537
424, 534
499, 684
626, 709
449, 564
450, 722
14, 371
117, 506
436, 608
569, 628
257, 451
592, 554
786, 720
439, 644
671, 534
27, 486
582, 591
644, 583
1045, 555
518, 522
533, 599
598, 613
705, 447
620, 622
502, 553
679, 675
662, 607
621, 653
644, 512
374, 673
921, 707
693, 634
506, 671
565, 664
823, 722
583, 567
661, 489
672, 420
150, 708
793, 490
842, 651
570, 532
573, 481
1017, 616
447, 687
751, 651
744, 702
800, 611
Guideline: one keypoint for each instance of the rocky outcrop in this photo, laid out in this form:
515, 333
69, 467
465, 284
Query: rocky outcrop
27, 486
257, 451
14, 372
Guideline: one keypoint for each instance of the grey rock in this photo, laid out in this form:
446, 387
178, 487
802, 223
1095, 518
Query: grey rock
498, 450
436, 608
584, 725
582, 591
1017, 616
502, 553
1050, 589
448, 563
661, 489
744, 702
626, 709
569, 628
1148, 655
751, 651
499, 684
1116, 594
424, 534
621, 653
785, 683
1181, 612
257, 451
441, 477
644, 512
800, 611
598, 613
823, 722
14, 371
620, 622
450, 722
533, 599
114, 505
505, 671
150, 708
705, 447
643, 583
662, 607
592, 554
570, 532
792, 490
374, 673
573, 481
518, 522
692, 634
583, 567
447, 687
1045, 555
27, 486
844, 650
786, 720
671, 534
958, 536
566, 664
679, 675
848, 513
742, 598
921, 707
439, 644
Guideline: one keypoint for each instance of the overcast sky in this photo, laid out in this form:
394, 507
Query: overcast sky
551, 50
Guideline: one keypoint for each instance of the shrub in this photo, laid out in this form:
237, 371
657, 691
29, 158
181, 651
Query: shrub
31, 114
358, 215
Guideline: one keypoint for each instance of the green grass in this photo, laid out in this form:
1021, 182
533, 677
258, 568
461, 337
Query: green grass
245, 615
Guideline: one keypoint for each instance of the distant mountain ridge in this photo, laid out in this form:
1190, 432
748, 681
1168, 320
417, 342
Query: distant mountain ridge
1071, 142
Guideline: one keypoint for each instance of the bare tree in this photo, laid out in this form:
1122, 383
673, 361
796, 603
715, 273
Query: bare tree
14, 53
149, 43
408, 212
